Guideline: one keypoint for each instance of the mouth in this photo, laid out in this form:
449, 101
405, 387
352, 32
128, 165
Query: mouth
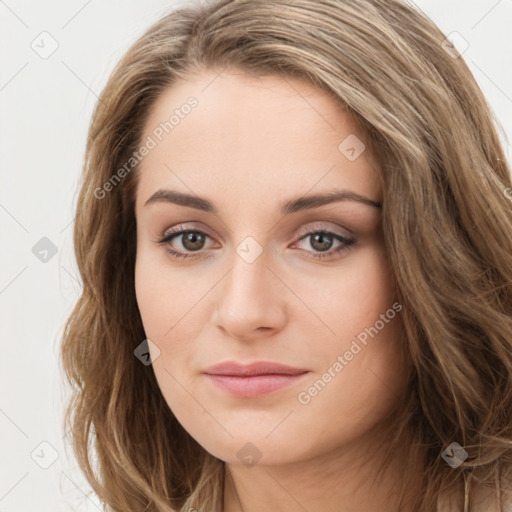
255, 379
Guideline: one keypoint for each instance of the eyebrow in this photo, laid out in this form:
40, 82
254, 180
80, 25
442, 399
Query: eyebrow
288, 207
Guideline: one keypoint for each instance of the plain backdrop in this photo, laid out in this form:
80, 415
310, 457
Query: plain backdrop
46, 104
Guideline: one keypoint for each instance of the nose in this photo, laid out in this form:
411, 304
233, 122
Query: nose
250, 300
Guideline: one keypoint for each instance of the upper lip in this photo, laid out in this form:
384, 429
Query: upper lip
256, 368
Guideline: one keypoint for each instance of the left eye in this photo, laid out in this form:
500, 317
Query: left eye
194, 240
322, 240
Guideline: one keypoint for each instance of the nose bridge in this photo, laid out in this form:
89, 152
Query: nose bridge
249, 277
247, 299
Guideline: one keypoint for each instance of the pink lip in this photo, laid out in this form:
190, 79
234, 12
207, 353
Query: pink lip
249, 381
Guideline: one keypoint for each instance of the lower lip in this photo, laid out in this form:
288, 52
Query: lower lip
254, 386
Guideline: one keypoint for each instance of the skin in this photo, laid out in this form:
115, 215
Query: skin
250, 144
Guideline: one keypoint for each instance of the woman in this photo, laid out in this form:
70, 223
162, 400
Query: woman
294, 235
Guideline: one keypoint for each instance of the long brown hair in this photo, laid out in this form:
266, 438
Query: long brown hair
447, 223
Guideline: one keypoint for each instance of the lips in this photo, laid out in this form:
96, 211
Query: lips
255, 379
233, 368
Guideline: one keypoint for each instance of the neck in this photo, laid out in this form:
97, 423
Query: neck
348, 479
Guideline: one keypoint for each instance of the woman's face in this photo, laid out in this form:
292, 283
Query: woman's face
236, 167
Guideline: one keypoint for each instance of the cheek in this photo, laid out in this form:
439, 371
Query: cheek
362, 379
352, 297
173, 315
163, 294
349, 395
163, 301
150, 293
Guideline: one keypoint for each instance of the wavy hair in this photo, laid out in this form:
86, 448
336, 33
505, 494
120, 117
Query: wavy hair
447, 222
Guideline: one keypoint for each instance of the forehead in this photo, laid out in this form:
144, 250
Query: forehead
258, 136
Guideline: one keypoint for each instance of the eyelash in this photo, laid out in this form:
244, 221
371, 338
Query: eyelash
348, 242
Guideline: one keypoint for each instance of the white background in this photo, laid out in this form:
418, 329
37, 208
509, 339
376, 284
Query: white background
46, 106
